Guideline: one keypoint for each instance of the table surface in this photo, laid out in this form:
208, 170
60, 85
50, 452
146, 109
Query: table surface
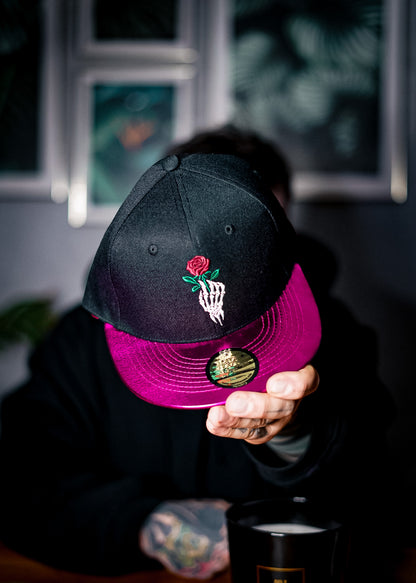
15, 568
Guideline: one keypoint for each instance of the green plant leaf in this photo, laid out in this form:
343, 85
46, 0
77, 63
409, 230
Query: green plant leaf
28, 321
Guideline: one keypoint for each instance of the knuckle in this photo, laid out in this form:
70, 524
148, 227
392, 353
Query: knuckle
257, 433
310, 379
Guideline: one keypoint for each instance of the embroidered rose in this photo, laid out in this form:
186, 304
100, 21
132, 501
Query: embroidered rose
198, 265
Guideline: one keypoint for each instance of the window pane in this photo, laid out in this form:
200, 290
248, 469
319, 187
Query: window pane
307, 75
132, 127
135, 20
20, 51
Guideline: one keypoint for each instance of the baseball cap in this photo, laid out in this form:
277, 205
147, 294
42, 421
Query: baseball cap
198, 287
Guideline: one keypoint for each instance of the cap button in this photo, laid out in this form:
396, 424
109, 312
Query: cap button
170, 163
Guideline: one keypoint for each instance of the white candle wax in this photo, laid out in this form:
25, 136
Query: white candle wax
288, 528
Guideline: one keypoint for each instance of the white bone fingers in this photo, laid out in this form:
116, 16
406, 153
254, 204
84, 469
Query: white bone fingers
212, 300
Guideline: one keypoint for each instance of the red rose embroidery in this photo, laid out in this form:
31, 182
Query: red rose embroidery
198, 265
198, 268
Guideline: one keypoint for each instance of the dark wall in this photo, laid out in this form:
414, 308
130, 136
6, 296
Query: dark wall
375, 245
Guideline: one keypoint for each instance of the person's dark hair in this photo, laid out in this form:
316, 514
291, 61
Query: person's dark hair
263, 156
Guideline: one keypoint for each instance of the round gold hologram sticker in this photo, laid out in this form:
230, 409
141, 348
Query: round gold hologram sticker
232, 368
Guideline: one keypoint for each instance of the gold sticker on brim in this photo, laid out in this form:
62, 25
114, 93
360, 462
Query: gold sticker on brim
232, 368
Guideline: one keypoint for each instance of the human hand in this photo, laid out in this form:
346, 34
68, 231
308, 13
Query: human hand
188, 537
258, 417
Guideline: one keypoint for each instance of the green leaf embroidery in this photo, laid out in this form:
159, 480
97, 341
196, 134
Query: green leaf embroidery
200, 280
189, 279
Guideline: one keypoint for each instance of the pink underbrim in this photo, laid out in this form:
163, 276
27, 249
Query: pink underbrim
286, 337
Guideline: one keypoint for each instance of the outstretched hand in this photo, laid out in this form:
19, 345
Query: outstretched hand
258, 417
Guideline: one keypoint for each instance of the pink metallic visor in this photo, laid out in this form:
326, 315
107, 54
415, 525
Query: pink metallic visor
204, 374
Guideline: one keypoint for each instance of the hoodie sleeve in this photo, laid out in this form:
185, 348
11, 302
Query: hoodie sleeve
346, 421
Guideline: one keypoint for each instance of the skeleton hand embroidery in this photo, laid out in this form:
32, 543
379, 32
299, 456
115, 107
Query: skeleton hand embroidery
212, 301
211, 293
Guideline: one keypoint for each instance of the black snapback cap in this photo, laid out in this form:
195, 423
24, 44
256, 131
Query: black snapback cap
196, 282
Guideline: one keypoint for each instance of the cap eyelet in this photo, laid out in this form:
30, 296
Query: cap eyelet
153, 249
229, 229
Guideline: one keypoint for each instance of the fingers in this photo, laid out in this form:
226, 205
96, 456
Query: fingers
293, 384
258, 417
255, 430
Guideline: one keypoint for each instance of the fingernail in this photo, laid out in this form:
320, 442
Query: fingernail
277, 387
237, 405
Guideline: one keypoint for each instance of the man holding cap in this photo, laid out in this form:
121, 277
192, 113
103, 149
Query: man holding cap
196, 316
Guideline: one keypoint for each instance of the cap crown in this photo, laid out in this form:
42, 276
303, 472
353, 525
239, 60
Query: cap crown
203, 205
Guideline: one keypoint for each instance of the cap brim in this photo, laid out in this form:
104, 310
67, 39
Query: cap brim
286, 337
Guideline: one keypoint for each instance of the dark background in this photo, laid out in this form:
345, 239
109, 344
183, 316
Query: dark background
375, 244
